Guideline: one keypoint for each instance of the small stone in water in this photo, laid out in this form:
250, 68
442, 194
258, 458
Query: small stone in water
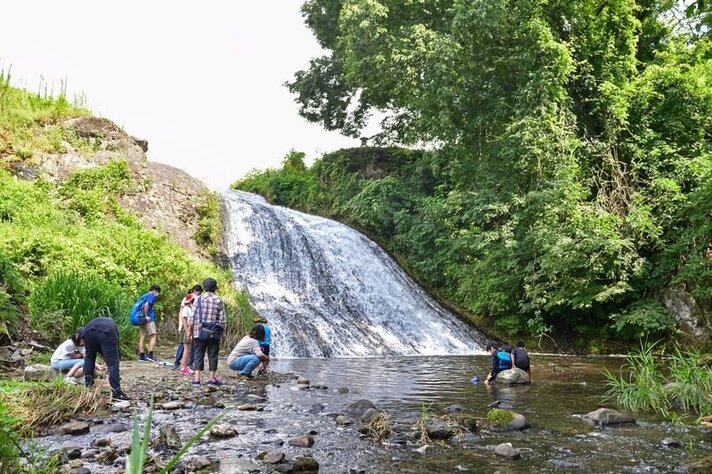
171, 405
101, 442
302, 381
341, 420
247, 407
506, 450
670, 443
223, 430
273, 457
342, 390
302, 441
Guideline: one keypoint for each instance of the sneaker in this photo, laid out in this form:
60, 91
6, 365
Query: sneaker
186, 371
195, 383
121, 396
144, 359
152, 358
215, 382
68, 379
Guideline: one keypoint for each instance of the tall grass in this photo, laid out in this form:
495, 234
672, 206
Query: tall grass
64, 301
655, 384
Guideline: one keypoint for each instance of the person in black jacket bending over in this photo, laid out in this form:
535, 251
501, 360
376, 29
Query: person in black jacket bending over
520, 358
102, 337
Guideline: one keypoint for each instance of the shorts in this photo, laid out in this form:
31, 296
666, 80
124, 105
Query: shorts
148, 329
64, 365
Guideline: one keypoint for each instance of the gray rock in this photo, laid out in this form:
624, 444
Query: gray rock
68, 453
358, 408
81, 470
142, 143
368, 415
342, 420
107, 456
303, 381
101, 442
247, 407
306, 464
670, 443
90, 453
341, 390
116, 427
122, 405
39, 372
606, 416
316, 408
513, 376
438, 429
75, 428
273, 457
302, 441
199, 462
223, 430
285, 467
507, 451
168, 438
455, 409
175, 405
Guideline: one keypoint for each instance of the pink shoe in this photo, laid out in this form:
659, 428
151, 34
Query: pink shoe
186, 371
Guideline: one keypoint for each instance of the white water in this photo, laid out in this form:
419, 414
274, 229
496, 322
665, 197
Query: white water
328, 291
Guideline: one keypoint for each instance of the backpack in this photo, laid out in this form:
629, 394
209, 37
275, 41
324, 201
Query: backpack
136, 311
504, 360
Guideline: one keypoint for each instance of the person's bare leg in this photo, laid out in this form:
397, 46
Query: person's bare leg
186, 355
141, 342
73, 371
151, 342
196, 375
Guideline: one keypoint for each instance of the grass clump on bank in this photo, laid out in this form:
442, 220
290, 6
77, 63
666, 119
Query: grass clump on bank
682, 382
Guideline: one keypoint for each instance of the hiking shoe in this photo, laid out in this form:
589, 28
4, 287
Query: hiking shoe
144, 359
195, 383
152, 358
121, 396
186, 371
215, 382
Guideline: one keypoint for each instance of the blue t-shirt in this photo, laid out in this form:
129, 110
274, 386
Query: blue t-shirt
150, 299
266, 340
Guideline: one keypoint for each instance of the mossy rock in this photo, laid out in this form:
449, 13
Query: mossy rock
497, 417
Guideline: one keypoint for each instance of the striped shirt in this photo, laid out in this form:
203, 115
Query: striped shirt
213, 311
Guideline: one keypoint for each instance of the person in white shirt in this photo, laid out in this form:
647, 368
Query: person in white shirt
69, 356
247, 354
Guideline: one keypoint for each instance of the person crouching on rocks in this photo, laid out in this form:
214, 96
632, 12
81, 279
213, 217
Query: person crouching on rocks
501, 360
264, 342
247, 354
69, 357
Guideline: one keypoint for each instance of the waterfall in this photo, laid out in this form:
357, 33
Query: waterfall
328, 291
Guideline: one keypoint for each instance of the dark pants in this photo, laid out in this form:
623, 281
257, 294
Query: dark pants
213, 349
106, 344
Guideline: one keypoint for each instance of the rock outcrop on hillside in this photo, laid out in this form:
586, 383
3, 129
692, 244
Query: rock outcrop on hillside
170, 199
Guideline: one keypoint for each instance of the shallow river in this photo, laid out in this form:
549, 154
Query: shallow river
563, 389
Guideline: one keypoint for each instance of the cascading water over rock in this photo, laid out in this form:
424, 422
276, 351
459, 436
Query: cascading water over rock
329, 291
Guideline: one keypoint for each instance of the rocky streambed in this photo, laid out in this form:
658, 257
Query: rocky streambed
414, 414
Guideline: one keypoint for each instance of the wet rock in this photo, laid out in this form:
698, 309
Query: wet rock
174, 405
464, 438
438, 429
468, 422
368, 415
122, 405
316, 408
199, 462
90, 453
670, 443
606, 416
81, 470
284, 467
168, 438
455, 409
39, 372
506, 450
273, 457
101, 442
223, 430
358, 408
562, 464
425, 449
68, 453
255, 398
320, 387
116, 427
515, 376
75, 428
342, 420
303, 381
516, 422
107, 456
341, 390
247, 407
306, 464
208, 400
302, 441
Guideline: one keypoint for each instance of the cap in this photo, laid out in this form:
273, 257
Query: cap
210, 284
189, 298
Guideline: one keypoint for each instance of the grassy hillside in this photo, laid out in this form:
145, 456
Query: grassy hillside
68, 251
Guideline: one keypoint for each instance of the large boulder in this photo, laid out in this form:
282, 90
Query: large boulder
515, 376
40, 372
606, 416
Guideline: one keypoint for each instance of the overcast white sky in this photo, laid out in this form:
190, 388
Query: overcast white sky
202, 81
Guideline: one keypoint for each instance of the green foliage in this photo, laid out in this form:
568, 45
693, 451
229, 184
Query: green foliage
569, 161
8, 440
498, 417
62, 302
208, 233
643, 319
31, 122
685, 383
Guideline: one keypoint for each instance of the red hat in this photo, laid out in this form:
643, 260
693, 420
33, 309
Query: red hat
189, 298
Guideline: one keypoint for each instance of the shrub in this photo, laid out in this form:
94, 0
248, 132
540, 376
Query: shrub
64, 301
643, 319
